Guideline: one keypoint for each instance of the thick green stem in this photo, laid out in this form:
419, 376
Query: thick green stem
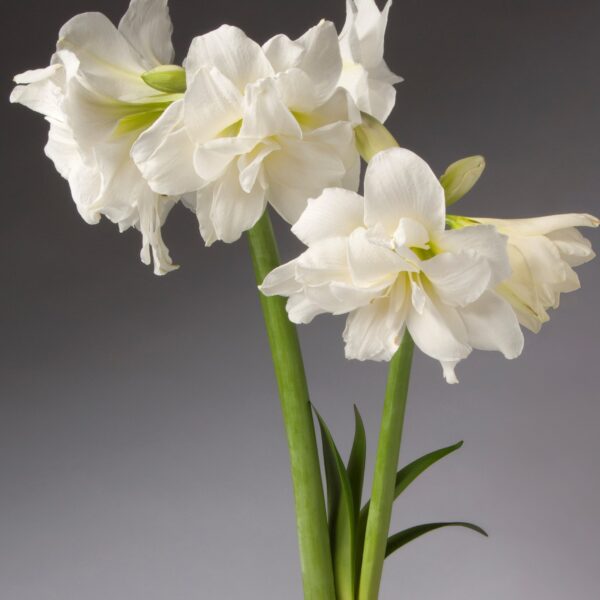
311, 518
386, 466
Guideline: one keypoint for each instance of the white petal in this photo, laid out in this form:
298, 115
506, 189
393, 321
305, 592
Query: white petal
482, 239
41, 90
492, 325
229, 50
234, 211
250, 165
201, 203
324, 262
106, 58
336, 212
371, 264
574, 249
148, 28
281, 281
213, 158
339, 298
373, 332
165, 154
400, 184
458, 279
265, 114
150, 224
301, 310
211, 104
541, 225
411, 234
300, 170
440, 333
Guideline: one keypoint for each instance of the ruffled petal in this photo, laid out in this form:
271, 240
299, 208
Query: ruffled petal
373, 332
335, 213
165, 154
232, 52
541, 225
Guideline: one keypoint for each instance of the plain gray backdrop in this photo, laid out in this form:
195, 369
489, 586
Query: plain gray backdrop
142, 455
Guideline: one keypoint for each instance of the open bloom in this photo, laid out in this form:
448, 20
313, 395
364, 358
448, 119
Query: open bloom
97, 103
256, 125
365, 73
542, 252
387, 261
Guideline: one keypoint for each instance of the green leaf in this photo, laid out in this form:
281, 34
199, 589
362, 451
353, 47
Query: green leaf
405, 477
341, 516
356, 462
408, 535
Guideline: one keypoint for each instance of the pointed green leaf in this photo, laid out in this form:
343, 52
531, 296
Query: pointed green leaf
408, 535
405, 477
356, 462
341, 515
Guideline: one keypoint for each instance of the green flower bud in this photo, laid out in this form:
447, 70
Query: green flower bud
170, 79
461, 176
372, 137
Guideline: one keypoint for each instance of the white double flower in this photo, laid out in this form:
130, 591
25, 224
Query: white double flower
97, 103
387, 260
257, 125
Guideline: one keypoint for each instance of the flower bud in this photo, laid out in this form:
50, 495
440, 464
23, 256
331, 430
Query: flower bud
372, 137
170, 79
461, 176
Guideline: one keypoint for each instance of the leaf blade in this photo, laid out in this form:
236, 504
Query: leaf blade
406, 536
342, 519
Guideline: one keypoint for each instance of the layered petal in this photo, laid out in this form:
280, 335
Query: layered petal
400, 184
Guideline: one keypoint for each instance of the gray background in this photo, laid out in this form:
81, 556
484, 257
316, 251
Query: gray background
141, 450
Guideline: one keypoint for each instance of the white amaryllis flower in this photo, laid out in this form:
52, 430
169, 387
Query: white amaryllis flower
387, 261
542, 252
365, 73
257, 125
97, 104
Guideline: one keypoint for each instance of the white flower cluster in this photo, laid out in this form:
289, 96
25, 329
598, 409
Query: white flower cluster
241, 125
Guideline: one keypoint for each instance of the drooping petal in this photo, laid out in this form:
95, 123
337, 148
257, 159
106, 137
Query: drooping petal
230, 51
148, 28
440, 333
301, 310
574, 249
373, 332
165, 154
400, 184
234, 211
335, 213
492, 325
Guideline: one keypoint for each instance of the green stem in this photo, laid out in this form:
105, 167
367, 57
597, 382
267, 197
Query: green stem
386, 466
311, 517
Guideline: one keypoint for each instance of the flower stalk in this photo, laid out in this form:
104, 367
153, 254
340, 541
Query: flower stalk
311, 518
384, 477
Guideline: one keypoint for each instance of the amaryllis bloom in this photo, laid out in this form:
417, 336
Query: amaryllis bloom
365, 73
542, 252
257, 125
97, 104
388, 262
